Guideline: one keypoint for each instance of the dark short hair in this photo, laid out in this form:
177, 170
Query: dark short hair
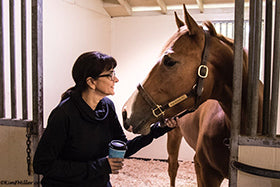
89, 64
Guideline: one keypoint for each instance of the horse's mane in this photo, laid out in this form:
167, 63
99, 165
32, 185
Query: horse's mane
228, 41
213, 32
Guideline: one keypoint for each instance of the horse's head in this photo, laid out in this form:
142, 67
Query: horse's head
177, 81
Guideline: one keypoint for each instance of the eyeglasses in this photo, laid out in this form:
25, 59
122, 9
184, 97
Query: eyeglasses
111, 75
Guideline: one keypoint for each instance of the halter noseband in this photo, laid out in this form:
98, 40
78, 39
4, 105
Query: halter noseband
202, 72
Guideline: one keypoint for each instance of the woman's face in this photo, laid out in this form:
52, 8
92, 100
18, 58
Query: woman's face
105, 83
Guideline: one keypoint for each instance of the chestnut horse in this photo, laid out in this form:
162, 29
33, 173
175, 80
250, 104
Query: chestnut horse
195, 65
206, 130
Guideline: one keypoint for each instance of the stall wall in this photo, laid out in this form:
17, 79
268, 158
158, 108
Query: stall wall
69, 28
13, 164
261, 157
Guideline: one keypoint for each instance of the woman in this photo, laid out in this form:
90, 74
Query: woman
74, 147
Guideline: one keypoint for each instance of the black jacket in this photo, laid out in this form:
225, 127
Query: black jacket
74, 146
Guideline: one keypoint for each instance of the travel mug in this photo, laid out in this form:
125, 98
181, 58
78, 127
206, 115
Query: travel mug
117, 149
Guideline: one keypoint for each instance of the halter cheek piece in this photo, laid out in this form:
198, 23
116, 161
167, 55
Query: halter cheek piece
202, 72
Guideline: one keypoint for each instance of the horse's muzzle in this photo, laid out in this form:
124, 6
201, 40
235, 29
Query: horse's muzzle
125, 124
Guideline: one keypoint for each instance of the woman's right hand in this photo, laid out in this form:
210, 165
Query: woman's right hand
116, 164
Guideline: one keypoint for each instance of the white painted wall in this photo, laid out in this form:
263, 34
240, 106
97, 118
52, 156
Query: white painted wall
70, 27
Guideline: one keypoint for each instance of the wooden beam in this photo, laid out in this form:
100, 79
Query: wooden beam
162, 6
200, 5
126, 6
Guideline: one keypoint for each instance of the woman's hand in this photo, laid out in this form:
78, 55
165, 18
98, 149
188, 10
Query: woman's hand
172, 122
116, 164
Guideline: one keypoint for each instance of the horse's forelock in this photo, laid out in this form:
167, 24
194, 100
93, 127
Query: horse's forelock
173, 38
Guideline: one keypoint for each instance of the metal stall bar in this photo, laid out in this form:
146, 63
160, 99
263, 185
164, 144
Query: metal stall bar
2, 98
23, 61
237, 88
15, 122
227, 23
275, 75
267, 66
245, 38
254, 66
37, 62
37, 73
232, 29
250, 66
12, 61
256, 70
256, 170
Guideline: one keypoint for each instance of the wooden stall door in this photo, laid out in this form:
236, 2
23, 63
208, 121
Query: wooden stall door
255, 157
21, 90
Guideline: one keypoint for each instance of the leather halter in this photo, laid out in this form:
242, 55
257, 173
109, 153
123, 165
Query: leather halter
202, 72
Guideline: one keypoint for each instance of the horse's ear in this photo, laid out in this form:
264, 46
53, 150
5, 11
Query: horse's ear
178, 21
191, 24
211, 28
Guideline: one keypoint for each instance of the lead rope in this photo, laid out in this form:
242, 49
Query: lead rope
187, 111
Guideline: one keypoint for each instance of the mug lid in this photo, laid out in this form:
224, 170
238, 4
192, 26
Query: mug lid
118, 144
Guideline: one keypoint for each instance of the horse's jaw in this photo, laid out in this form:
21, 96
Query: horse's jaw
138, 128
144, 130
135, 125
136, 114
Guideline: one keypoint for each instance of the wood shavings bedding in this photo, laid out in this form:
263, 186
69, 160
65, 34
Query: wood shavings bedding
154, 173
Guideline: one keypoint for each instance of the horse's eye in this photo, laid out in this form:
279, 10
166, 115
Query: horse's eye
168, 61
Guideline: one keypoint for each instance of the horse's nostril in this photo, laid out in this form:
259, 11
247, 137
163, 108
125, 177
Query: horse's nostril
125, 125
124, 115
130, 129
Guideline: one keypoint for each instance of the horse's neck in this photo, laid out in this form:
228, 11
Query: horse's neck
223, 91
225, 99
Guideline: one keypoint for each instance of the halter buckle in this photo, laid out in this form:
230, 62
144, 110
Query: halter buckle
161, 112
202, 71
